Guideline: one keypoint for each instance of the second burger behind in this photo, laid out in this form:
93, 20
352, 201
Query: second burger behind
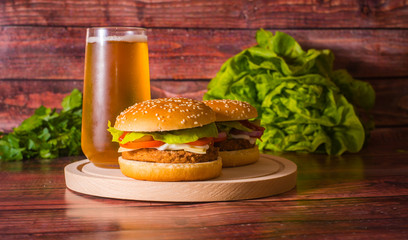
237, 134
168, 139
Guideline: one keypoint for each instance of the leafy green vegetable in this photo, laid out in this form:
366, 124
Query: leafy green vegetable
171, 137
303, 103
47, 133
228, 125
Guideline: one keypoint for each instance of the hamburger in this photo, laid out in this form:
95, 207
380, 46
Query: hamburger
167, 139
237, 132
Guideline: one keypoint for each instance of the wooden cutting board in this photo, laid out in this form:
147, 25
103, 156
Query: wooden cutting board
270, 175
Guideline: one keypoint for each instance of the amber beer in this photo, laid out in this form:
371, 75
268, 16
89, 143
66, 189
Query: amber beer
116, 77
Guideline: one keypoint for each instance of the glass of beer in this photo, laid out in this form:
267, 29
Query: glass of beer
116, 77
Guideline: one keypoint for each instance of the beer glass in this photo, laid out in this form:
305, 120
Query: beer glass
116, 77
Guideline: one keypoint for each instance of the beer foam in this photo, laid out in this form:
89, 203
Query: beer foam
127, 38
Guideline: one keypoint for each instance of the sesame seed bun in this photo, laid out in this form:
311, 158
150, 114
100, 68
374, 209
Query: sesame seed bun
164, 114
231, 110
170, 172
239, 157
234, 110
167, 114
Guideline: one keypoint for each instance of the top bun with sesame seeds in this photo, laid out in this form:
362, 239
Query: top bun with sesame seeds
164, 114
231, 110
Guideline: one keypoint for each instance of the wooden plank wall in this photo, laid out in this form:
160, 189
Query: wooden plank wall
42, 44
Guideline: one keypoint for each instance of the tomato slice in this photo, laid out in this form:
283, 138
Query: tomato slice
146, 144
146, 141
201, 141
122, 136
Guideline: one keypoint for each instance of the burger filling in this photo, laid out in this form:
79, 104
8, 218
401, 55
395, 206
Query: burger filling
170, 156
178, 146
237, 135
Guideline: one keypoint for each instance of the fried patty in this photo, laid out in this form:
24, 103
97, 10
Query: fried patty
170, 156
233, 144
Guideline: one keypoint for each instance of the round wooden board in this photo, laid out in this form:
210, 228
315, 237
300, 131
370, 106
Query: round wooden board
270, 175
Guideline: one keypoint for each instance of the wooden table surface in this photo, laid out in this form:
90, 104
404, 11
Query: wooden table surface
356, 196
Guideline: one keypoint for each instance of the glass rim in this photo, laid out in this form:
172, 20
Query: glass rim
127, 34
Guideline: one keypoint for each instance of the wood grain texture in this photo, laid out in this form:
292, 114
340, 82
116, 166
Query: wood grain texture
361, 229
203, 14
220, 220
19, 99
268, 176
357, 196
58, 52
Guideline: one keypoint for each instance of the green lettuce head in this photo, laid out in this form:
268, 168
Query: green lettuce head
302, 102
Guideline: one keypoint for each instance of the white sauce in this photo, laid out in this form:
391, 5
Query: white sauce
243, 136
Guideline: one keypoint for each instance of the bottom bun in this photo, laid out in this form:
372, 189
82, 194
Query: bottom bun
170, 172
239, 157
